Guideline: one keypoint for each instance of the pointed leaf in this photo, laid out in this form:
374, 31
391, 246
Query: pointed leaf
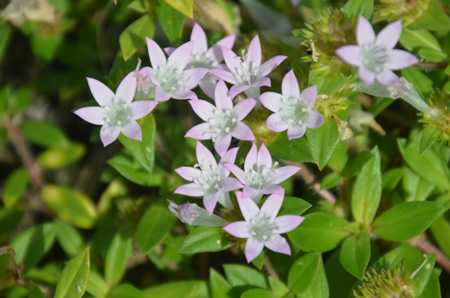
205, 239
117, 255
74, 278
355, 254
322, 141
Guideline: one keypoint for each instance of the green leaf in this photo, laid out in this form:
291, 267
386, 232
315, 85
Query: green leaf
422, 83
257, 293
45, 46
186, 7
354, 8
278, 287
319, 232
407, 220
355, 163
303, 272
415, 188
70, 206
32, 244
424, 42
239, 275
429, 137
133, 38
117, 255
322, 141
58, 157
205, 239
69, 238
126, 291
355, 254
185, 289
43, 134
331, 180
294, 206
433, 19
35, 292
19, 100
441, 233
74, 278
219, 285
433, 288
97, 286
171, 21
153, 227
367, 190
5, 37
392, 258
143, 152
293, 150
318, 288
15, 186
9, 219
422, 275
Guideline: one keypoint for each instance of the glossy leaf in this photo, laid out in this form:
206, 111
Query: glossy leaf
322, 141
97, 286
74, 278
303, 272
126, 291
117, 255
429, 137
43, 134
35, 292
58, 157
354, 8
278, 287
294, 150
15, 186
185, 289
171, 21
422, 275
294, 206
134, 35
257, 293
219, 285
239, 275
186, 7
355, 254
69, 238
205, 239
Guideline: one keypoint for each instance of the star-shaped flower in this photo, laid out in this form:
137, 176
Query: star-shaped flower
210, 179
116, 113
375, 56
223, 121
202, 57
260, 176
194, 215
169, 77
292, 109
262, 227
246, 73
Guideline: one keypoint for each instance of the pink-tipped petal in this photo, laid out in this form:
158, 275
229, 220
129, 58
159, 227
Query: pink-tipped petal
315, 119
350, 54
224, 75
270, 65
127, 88
208, 86
289, 85
109, 135
389, 36
157, 57
366, 76
254, 51
231, 184
272, 205
228, 158
242, 109
231, 59
287, 223
243, 132
252, 249
169, 50
295, 132
236, 89
184, 94
199, 132
180, 57
264, 81
161, 95
205, 158
188, 173
271, 100
133, 131
94, 115
236, 171
264, 159
200, 41
141, 108
275, 123
250, 159
284, 173
238, 229
399, 59
249, 209
250, 192
364, 32
223, 100
278, 244
272, 189
191, 77
387, 78
191, 190
309, 96
222, 144
216, 50
203, 109
102, 94
210, 201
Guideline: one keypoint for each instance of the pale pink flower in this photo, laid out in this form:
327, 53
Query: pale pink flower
194, 215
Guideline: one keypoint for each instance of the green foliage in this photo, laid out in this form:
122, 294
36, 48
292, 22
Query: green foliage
205, 239
74, 278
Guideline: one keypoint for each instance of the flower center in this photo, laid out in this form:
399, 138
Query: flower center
293, 111
246, 73
118, 113
143, 82
259, 177
169, 78
374, 57
205, 60
222, 124
262, 227
211, 180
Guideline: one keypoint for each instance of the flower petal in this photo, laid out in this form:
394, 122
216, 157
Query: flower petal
223, 100
210, 201
205, 158
399, 59
199, 132
251, 193
184, 94
243, 132
141, 108
271, 100
296, 132
366, 75
289, 85
200, 41
239, 173
191, 189
364, 31
208, 86
132, 130
216, 50
161, 95
315, 119
275, 123
270, 65
278, 244
232, 60
254, 52
236, 89
350, 54
272, 205
94, 115
222, 144
180, 57
188, 173
203, 109
224, 75
309, 96
231, 184
387, 78
228, 157
287, 223
157, 57
243, 108
264, 159
264, 81
109, 134
238, 229
389, 36
252, 249
248, 208
191, 77
127, 88
283, 173
250, 159
102, 94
